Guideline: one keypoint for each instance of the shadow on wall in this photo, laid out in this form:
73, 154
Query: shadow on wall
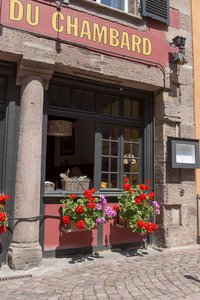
71, 243
121, 238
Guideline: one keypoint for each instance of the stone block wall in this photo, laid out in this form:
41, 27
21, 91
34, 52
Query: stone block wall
174, 117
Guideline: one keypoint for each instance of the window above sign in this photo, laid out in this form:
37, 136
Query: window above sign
118, 4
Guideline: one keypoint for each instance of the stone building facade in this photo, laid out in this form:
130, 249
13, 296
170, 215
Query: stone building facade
195, 6
130, 57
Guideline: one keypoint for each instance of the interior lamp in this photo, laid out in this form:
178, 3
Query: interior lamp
59, 128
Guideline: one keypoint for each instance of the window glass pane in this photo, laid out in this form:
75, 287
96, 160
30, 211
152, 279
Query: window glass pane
132, 109
135, 109
129, 159
131, 134
114, 149
106, 105
115, 106
135, 151
65, 97
105, 148
54, 95
113, 181
104, 181
135, 166
105, 164
111, 105
114, 165
135, 135
114, 3
3, 89
110, 131
127, 108
135, 179
77, 100
89, 101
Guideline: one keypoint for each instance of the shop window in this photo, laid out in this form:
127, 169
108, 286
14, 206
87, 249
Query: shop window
106, 139
118, 4
156, 9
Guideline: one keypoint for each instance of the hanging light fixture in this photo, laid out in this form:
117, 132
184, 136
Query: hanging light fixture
59, 128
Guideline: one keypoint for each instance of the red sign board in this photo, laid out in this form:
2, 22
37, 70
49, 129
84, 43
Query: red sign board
83, 29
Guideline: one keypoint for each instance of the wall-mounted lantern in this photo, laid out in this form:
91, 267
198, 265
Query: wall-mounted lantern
183, 153
179, 41
59, 3
179, 57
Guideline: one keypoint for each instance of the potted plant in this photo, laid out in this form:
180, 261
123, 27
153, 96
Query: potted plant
85, 212
136, 208
3, 215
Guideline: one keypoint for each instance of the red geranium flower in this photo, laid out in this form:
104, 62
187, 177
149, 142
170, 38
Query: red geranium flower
65, 219
3, 229
88, 194
138, 201
126, 180
91, 205
4, 197
127, 186
73, 196
154, 226
140, 224
142, 197
80, 224
79, 209
151, 195
143, 187
148, 181
116, 207
2, 216
91, 199
146, 226
93, 190
2, 202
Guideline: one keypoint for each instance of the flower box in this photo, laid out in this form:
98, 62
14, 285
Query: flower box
121, 223
71, 228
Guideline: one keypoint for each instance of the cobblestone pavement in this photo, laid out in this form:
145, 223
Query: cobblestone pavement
148, 274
